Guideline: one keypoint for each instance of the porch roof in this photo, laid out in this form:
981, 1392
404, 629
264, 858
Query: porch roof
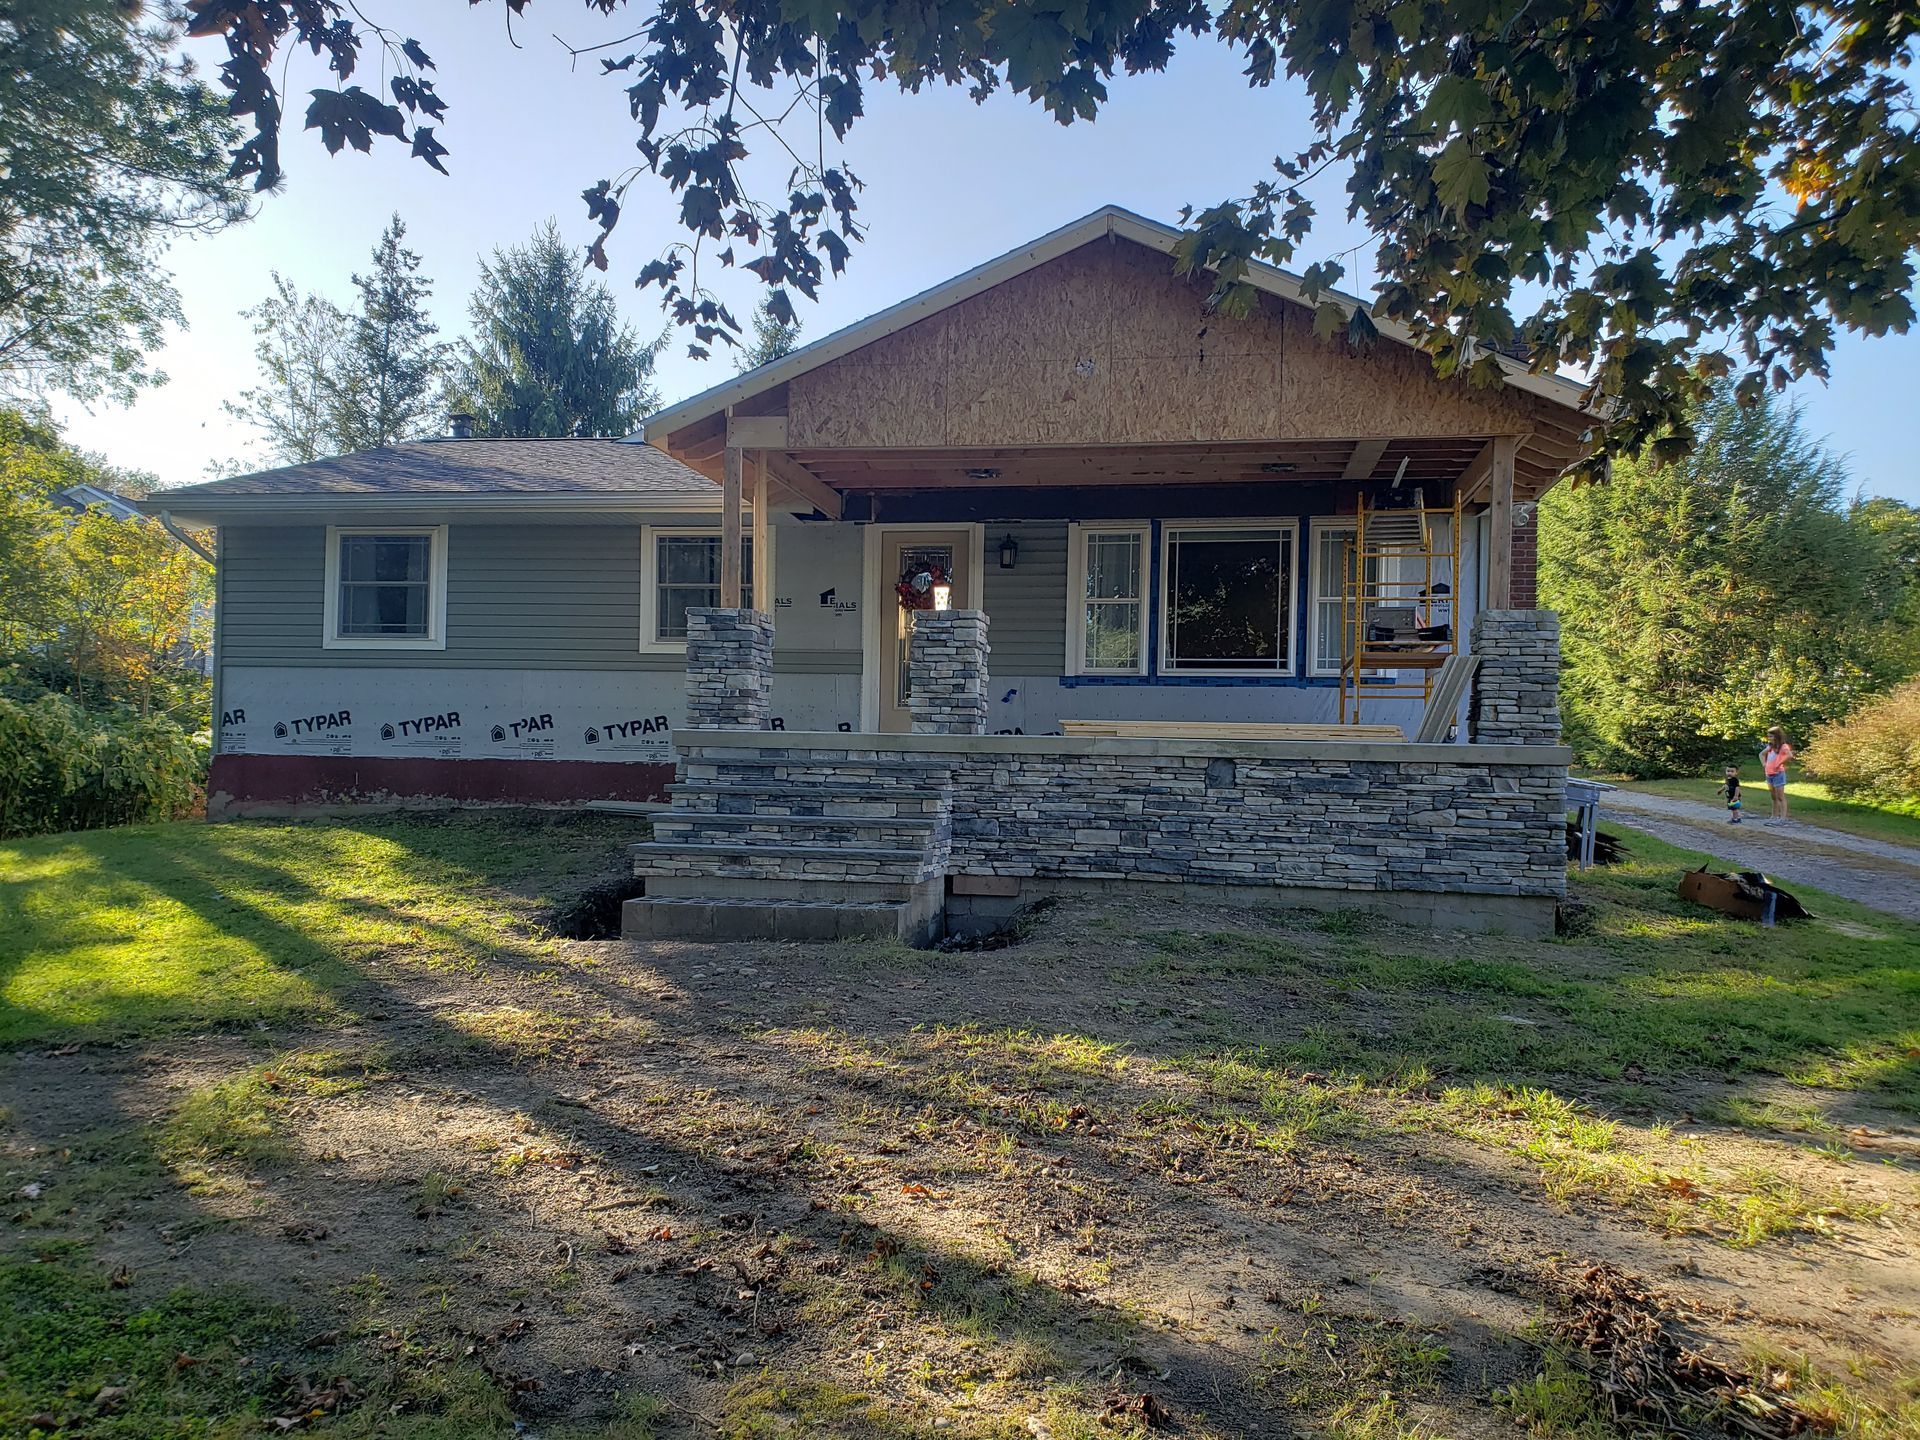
1059, 364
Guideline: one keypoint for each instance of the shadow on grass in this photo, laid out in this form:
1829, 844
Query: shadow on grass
1182, 1175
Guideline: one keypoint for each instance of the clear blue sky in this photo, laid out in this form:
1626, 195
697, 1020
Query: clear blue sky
949, 185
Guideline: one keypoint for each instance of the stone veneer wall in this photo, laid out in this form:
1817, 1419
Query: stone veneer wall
948, 694
729, 668
1385, 818
1458, 827
1516, 689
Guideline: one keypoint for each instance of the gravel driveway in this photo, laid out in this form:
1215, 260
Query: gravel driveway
1878, 873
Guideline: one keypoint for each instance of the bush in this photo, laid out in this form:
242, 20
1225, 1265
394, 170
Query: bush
64, 769
1873, 754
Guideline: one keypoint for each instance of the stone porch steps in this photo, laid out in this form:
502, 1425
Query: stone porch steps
779, 861
740, 919
899, 834
773, 844
831, 802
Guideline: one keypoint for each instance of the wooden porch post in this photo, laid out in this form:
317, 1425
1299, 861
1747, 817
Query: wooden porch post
730, 531
1500, 509
762, 535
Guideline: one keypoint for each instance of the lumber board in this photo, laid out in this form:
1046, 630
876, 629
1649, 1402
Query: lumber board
1225, 730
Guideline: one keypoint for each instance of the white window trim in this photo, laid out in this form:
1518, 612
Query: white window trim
436, 636
1319, 526
650, 579
1289, 662
1077, 534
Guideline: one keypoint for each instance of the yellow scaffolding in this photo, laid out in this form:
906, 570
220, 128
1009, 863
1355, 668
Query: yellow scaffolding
1399, 603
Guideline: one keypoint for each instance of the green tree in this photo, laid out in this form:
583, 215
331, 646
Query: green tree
773, 336
384, 383
549, 354
300, 344
1679, 191
33, 467
112, 611
1706, 599
108, 148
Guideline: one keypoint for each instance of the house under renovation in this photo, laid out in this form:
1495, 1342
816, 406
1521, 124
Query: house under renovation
1045, 580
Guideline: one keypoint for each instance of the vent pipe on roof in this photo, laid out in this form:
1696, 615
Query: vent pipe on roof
460, 425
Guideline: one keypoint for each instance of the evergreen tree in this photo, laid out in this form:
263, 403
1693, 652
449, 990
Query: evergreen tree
549, 353
383, 385
773, 336
299, 341
1707, 599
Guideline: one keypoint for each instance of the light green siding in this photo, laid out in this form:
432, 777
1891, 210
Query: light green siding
518, 597
1027, 605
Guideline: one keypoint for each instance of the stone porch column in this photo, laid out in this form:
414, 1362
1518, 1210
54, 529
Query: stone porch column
729, 669
1516, 690
949, 680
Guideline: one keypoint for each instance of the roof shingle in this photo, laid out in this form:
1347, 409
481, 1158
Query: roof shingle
533, 466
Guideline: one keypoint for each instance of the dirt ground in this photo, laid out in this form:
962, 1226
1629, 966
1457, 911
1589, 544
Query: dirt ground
758, 1190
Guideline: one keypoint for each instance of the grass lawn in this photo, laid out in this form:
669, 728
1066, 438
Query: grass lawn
144, 928
1807, 801
315, 1126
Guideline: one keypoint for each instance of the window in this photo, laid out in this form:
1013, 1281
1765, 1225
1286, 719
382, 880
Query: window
386, 587
1107, 612
1227, 599
1332, 568
685, 575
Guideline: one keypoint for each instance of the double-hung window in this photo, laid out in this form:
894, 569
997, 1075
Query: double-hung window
1226, 598
386, 587
1107, 609
681, 572
1332, 570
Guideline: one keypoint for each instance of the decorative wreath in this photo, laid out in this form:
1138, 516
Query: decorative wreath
915, 587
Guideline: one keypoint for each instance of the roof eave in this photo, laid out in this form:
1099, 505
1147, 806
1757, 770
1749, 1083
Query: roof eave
223, 508
1109, 220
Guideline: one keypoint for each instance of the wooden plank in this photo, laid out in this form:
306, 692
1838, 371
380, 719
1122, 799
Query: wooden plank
1449, 684
757, 432
1500, 532
730, 530
762, 536
1366, 455
1473, 480
803, 483
1224, 730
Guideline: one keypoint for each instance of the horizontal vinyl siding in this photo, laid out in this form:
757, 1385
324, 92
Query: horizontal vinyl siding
813, 662
537, 596
1027, 605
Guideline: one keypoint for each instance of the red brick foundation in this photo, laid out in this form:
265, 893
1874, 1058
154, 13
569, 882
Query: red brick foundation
288, 784
1526, 558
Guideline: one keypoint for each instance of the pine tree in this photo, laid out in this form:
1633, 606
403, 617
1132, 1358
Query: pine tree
383, 386
772, 338
549, 354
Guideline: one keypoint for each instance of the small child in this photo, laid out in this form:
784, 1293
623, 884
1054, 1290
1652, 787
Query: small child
1730, 787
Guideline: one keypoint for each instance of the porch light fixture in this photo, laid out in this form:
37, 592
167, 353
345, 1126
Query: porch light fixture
1009, 552
943, 596
983, 472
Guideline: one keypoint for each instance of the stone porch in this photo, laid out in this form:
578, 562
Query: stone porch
832, 836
